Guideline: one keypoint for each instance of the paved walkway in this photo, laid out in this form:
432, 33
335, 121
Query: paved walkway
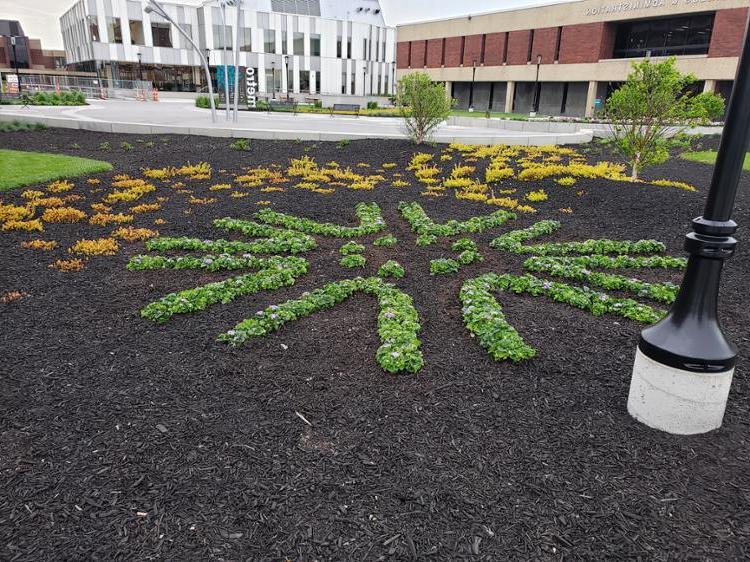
182, 117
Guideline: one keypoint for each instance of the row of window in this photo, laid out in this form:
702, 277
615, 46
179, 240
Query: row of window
686, 35
161, 34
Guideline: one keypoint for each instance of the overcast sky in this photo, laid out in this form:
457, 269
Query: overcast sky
39, 18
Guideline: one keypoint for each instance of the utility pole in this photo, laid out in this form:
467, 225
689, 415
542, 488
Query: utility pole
537, 88
15, 63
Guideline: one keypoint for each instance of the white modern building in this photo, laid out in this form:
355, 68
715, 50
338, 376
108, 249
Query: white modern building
300, 47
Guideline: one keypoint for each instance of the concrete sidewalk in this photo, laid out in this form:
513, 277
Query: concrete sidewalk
177, 116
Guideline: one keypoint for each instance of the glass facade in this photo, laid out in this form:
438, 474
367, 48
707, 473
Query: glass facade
136, 32
269, 40
314, 45
685, 35
221, 39
114, 30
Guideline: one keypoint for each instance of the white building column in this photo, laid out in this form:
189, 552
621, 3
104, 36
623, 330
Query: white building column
709, 86
591, 98
510, 93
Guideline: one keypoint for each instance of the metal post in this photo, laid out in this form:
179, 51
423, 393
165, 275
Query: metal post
140, 69
223, 12
154, 6
684, 364
471, 89
273, 80
238, 7
535, 105
15, 63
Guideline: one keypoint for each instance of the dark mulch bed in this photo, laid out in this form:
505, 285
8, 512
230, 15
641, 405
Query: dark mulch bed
104, 415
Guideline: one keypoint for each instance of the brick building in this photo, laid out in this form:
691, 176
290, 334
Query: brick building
581, 50
29, 53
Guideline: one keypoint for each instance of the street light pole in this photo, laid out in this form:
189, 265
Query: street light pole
238, 21
471, 89
140, 69
537, 92
223, 12
273, 80
154, 6
15, 63
684, 365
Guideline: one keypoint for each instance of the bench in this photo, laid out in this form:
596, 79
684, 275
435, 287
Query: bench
282, 105
346, 108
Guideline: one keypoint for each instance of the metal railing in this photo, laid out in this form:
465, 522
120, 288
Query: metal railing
91, 87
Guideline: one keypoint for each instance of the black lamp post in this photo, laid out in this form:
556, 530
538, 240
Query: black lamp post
15, 63
140, 69
537, 88
273, 80
471, 89
684, 364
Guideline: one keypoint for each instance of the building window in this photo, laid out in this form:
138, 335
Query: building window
505, 47
136, 32
220, 40
269, 40
284, 49
298, 43
383, 59
314, 45
463, 47
387, 91
353, 82
93, 28
343, 82
161, 34
304, 81
558, 41
442, 53
339, 41
349, 47
289, 79
686, 35
531, 46
317, 82
114, 30
364, 49
273, 80
246, 44
481, 52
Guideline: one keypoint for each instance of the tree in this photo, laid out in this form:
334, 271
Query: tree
423, 104
655, 102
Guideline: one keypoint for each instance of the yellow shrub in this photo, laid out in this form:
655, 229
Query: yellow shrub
34, 225
262, 202
49, 202
566, 181
101, 207
104, 219
202, 201
98, 247
537, 196
471, 196
67, 265
526, 209
462, 171
671, 183
134, 189
93, 181
419, 160
15, 212
301, 166
458, 183
388, 165
505, 202
238, 194
159, 221
220, 186
145, 208
399, 183
63, 214
271, 189
45, 245
133, 234
32, 194
60, 186
493, 174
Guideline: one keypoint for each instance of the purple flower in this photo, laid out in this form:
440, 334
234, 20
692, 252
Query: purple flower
547, 285
389, 315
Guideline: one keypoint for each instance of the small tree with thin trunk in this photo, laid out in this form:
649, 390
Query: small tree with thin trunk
654, 103
423, 104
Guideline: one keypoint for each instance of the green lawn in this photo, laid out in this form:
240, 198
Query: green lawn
709, 157
19, 168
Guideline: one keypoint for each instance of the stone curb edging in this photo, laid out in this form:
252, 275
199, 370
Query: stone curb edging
572, 137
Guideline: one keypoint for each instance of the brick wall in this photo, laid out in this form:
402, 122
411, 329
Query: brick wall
402, 54
472, 50
434, 53
545, 41
587, 42
518, 47
729, 27
418, 52
494, 49
453, 51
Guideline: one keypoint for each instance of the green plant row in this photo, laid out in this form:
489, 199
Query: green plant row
557, 267
513, 242
422, 224
351, 248
484, 318
387, 241
610, 262
279, 273
291, 244
370, 217
398, 320
210, 262
352, 261
391, 268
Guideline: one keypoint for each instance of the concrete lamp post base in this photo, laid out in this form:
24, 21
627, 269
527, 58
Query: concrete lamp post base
677, 401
